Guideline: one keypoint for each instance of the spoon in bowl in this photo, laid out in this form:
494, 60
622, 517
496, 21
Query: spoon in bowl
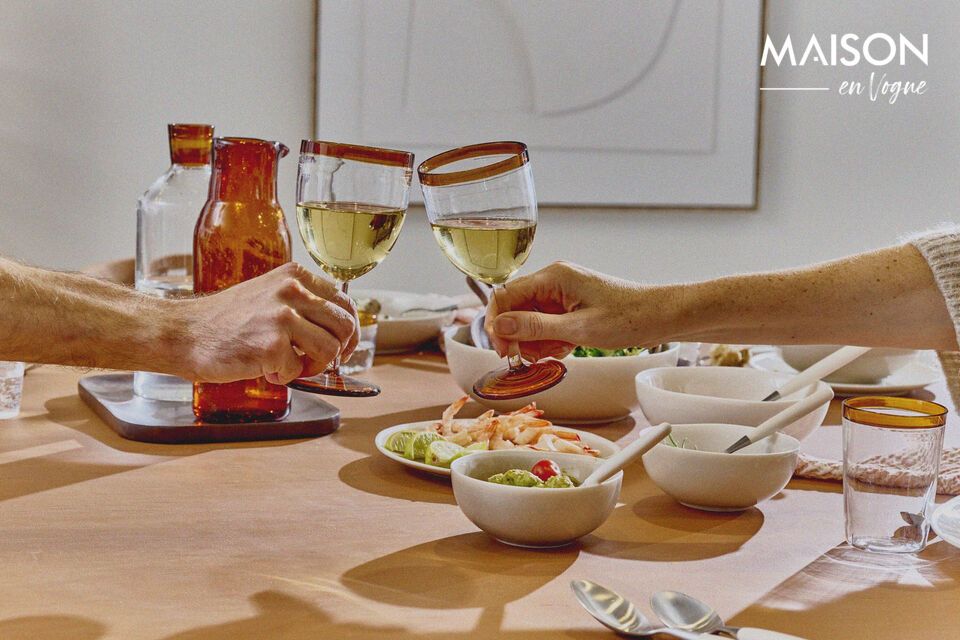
680, 611
620, 615
779, 421
647, 439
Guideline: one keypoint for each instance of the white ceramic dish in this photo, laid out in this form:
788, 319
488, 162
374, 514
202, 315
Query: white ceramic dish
714, 481
397, 334
730, 395
923, 370
870, 368
529, 517
596, 390
604, 446
946, 521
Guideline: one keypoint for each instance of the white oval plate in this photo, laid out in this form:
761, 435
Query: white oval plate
919, 373
946, 521
401, 334
606, 447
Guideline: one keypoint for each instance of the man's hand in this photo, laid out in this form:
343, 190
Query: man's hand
282, 325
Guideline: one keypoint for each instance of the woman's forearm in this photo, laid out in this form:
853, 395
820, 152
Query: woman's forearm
72, 319
882, 298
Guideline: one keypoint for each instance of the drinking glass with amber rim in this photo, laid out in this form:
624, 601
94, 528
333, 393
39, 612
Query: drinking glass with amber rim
482, 207
351, 201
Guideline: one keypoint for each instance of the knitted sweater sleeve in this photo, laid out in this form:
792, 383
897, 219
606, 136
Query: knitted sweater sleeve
941, 250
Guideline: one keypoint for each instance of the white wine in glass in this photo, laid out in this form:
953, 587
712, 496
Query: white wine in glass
351, 202
348, 239
489, 247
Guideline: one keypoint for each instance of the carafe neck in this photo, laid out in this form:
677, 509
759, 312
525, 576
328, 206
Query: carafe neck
190, 144
245, 169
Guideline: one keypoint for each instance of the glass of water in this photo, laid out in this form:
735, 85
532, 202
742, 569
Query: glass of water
891, 458
11, 388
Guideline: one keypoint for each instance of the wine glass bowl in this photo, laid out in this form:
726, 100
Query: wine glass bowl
482, 207
351, 202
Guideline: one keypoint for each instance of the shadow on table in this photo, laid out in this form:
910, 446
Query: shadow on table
82, 459
279, 615
659, 529
467, 571
847, 593
381, 476
60, 627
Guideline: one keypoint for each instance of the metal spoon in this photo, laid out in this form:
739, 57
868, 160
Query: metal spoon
619, 614
478, 334
680, 611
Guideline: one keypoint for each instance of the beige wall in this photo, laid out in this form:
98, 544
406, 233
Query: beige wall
88, 87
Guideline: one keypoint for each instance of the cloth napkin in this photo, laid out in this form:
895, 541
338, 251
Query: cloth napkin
886, 470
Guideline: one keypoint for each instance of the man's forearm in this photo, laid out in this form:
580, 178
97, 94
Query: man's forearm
882, 298
71, 319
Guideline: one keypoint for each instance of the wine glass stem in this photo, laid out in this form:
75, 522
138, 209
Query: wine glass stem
334, 367
514, 361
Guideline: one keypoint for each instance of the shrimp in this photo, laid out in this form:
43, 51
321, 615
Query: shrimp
447, 426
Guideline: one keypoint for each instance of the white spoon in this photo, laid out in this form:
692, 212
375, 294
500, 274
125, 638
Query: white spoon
782, 419
819, 370
647, 439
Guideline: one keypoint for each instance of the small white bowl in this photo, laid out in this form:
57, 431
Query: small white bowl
595, 390
396, 333
730, 395
871, 367
529, 517
715, 481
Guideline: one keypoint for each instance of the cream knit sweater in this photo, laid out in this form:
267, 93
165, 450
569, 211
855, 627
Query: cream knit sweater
941, 250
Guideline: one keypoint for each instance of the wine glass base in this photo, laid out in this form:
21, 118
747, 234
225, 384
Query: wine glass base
332, 384
507, 384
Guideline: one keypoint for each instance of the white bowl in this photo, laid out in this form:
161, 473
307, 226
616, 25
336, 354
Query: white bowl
871, 367
714, 481
595, 390
397, 334
529, 517
731, 395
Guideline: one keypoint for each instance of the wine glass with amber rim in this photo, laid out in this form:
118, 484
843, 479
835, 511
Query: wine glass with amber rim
351, 201
482, 208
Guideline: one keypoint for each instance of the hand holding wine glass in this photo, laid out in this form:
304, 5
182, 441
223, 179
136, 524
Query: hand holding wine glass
351, 201
482, 208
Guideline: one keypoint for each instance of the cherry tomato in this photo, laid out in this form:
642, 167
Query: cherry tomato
545, 469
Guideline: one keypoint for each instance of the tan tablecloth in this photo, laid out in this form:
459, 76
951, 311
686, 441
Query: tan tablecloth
106, 538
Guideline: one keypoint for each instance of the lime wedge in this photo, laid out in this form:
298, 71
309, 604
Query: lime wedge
478, 446
397, 442
416, 448
441, 453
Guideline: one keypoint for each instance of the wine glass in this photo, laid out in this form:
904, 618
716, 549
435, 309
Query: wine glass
483, 211
351, 201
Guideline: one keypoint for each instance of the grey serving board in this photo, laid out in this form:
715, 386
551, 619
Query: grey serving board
111, 397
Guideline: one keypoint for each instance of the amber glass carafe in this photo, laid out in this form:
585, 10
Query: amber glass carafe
241, 234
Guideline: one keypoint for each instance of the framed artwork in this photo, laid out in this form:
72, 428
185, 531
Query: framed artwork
652, 103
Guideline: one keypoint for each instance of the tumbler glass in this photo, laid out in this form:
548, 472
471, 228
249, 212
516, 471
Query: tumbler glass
11, 388
891, 458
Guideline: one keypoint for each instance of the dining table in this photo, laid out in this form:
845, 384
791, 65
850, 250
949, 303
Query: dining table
103, 537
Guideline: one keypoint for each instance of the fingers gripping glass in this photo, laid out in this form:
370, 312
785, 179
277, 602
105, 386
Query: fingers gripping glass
483, 211
351, 201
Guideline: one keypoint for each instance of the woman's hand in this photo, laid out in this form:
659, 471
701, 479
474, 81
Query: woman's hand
564, 305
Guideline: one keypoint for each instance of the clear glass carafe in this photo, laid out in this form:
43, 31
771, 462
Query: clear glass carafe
166, 216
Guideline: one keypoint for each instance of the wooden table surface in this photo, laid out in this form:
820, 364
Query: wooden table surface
102, 537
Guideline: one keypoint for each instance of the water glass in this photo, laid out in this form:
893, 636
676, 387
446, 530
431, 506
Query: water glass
891, 458
11, 388
362, 357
